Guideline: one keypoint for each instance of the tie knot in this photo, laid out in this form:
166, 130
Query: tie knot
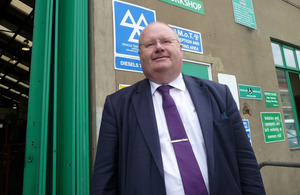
164, 89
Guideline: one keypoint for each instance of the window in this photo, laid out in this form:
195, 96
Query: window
277, 54
289, 57
298, 56
286, 60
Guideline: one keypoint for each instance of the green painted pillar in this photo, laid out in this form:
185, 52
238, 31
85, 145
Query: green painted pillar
57, 144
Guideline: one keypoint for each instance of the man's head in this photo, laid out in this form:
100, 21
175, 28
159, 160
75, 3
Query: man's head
160, 53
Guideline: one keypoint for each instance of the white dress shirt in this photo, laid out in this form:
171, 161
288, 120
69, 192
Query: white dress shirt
192, 127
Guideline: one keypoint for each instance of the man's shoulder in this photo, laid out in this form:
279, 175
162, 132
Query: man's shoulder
130, 90
203, 82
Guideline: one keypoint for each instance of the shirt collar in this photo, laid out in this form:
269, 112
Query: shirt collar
178, 83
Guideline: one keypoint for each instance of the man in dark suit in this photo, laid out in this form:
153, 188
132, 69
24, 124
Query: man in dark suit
135, 154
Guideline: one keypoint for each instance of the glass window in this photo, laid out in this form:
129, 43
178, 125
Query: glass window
298, 57
289, 57
277, 54
287, 108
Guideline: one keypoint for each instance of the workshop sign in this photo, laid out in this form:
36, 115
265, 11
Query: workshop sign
250, 92
271, 99
192, 5
244, 13
190, 40
272, 126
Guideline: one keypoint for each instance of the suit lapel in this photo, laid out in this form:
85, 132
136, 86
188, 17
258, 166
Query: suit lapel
202, 103
144, 110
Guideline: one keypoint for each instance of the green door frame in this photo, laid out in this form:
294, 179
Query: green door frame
293, 102
57, 142
287, 71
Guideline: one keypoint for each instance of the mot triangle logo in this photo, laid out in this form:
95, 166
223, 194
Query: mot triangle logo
137, 27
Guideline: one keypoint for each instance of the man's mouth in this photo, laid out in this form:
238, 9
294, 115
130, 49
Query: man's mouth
160, 57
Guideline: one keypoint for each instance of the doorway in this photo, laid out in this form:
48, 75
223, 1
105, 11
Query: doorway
295, 86
289, 88
16, 30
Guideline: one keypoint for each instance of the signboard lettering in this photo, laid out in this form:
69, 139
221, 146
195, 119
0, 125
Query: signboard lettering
272, 126
244, 13
192, 5
271, 99
250, 92
190, 40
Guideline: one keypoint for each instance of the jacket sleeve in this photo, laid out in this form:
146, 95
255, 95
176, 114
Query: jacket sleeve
104, 179
249, 173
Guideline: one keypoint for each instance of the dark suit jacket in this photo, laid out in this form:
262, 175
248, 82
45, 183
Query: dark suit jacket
128, 159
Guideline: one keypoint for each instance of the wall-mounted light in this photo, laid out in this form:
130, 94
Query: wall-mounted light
26, 46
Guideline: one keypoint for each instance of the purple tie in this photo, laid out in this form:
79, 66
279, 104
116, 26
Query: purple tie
190, 172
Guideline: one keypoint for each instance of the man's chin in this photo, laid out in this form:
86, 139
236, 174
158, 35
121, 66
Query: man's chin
161, 64
162, 68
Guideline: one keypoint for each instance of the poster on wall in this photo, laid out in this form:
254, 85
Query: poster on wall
250, 92
230, 81
244, 13
129, 21
272, 126
271, 99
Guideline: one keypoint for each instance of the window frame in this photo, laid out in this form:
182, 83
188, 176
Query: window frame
288, 70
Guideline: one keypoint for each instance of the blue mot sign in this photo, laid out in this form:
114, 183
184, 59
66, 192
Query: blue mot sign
190, 40
129, 21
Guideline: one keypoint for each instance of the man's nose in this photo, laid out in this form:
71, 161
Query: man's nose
159, 46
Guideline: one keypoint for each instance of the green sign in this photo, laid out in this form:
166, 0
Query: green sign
192, 5
272, 126
250, 92
271, 99
244, 13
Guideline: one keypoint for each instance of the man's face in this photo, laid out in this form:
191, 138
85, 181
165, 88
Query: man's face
160, 53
